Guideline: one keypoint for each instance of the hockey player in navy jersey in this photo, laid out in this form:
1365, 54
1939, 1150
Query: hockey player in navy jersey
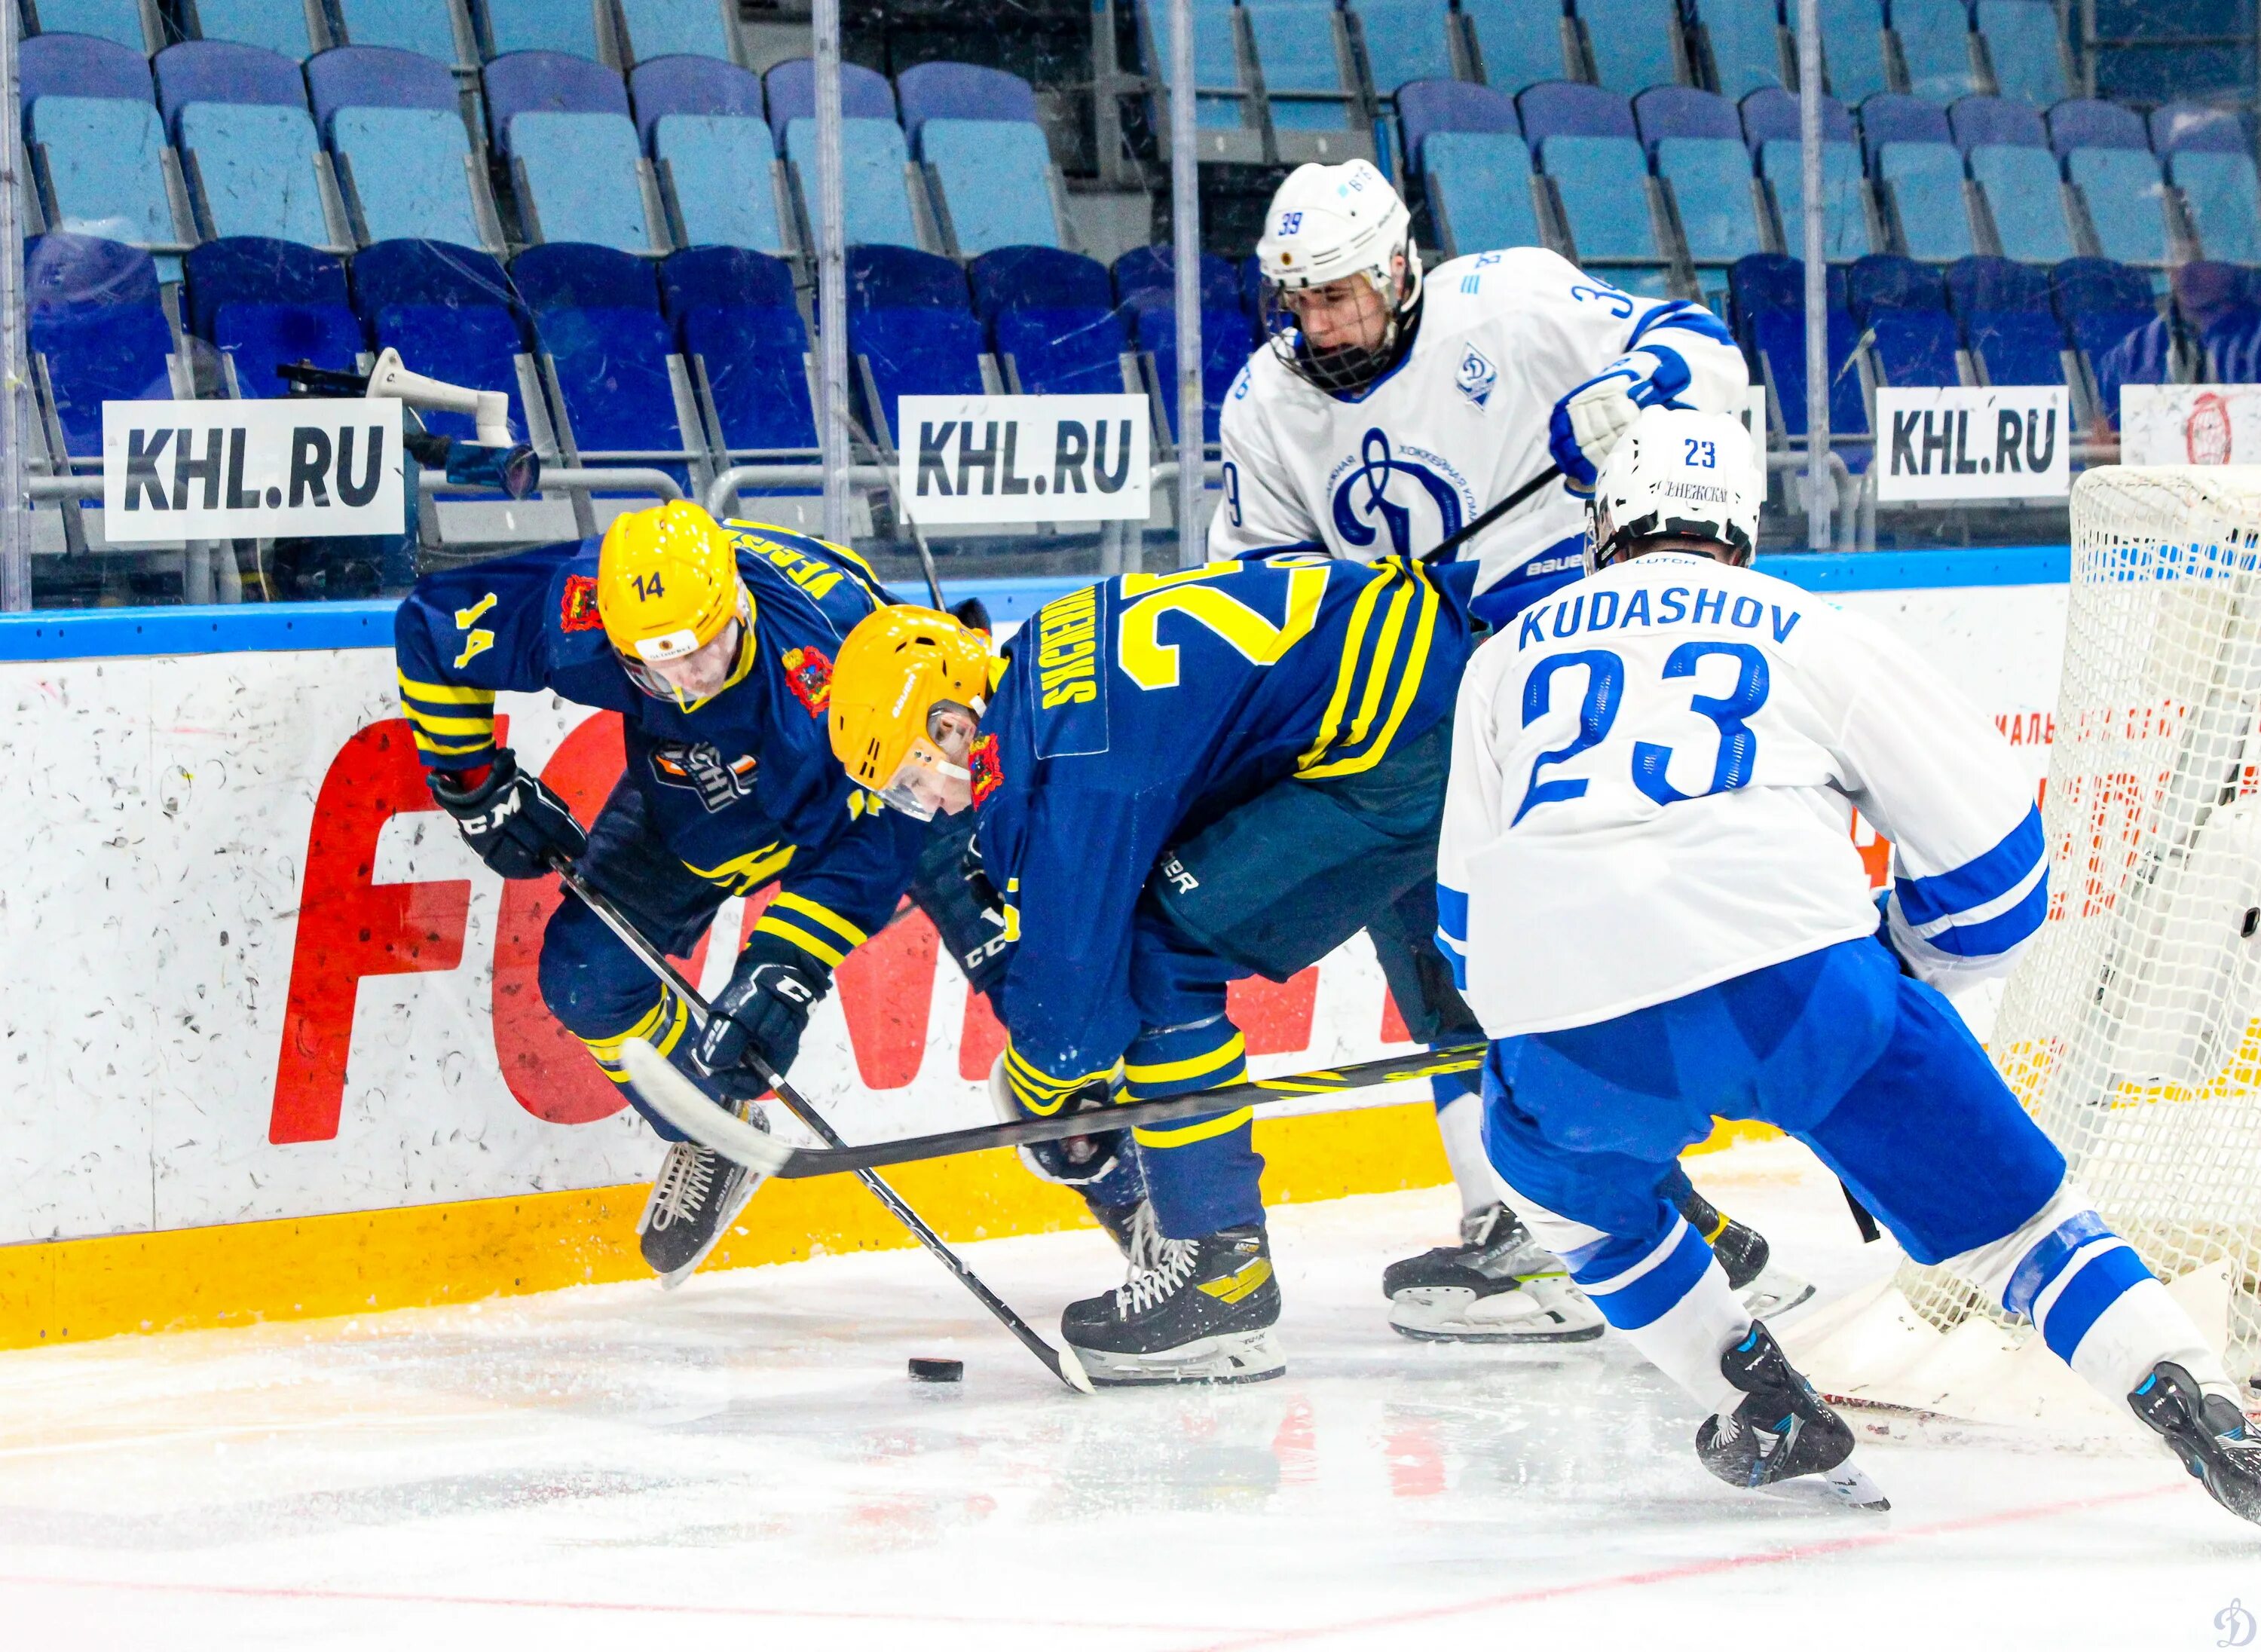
1650, 896
715, 645
1389, 409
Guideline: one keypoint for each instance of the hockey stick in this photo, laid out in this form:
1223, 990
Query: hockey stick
1453, 540
668, 1090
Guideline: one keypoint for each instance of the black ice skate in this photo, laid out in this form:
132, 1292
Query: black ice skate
1199, 1311
1496, 1285
1782, 1438
697, 1195
2207, 1432
1746, 1257
1131, 1227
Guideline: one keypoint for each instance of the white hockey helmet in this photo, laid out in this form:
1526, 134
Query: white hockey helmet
1334, 223
1676, 473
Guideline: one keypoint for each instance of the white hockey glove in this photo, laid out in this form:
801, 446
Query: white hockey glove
1588, 421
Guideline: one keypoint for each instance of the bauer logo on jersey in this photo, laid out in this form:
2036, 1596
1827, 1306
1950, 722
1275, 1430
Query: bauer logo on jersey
1475, 375
1070, 691
1396, 499
809, 673
577, 611
701, 768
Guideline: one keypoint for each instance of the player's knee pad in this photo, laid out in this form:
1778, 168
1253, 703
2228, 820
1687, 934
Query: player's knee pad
2063, 1268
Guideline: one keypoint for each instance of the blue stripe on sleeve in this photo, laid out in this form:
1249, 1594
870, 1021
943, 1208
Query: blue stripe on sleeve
1453, 915
2047, 1259
1690, 317
2102, 1281
1998, 934
1990, 877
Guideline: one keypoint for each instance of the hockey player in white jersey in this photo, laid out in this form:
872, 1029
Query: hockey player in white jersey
1649, 892
1391, 411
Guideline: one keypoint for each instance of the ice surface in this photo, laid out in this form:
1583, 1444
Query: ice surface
746, 1462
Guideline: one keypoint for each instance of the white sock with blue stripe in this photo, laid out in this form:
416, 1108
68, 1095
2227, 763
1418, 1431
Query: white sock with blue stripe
1670, 1300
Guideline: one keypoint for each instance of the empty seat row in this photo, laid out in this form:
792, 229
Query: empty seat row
619, 31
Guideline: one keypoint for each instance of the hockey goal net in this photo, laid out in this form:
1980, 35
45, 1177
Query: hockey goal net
2129, 1030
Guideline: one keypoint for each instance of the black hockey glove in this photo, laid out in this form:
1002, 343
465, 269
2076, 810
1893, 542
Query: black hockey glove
763, 1010
952, 887
513, 822
1075, 1161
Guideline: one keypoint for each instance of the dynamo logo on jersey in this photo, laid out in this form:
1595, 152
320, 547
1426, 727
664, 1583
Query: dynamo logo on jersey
1474, 376
1369, 497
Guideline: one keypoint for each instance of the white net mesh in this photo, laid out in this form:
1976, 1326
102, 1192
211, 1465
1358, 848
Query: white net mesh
2128, 1029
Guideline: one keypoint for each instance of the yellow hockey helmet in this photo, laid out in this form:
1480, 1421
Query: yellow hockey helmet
894, 667
667, 582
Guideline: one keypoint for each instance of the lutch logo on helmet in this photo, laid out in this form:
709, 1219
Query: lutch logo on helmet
1368, 499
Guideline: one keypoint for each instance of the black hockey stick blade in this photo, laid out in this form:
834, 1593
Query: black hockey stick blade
1451, 543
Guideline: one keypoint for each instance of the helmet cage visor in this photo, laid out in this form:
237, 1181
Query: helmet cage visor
1345, 369
917, 787
647, 676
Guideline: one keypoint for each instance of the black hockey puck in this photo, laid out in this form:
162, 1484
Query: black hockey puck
938, 1371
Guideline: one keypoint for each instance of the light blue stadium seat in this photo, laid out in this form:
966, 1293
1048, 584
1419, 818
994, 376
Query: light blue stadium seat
2023, 41
1844, 218
2225, 203
721, 165
280, 26
580, 170
1935, 39
2023, 189
996, 177
1296, 46
872, 157
104, 159
119, 20
1853, 48
1600, 182
1633, 41
408, 172
1926, 182
1217, 61
1519, 40
543, 25
2125, 195
254, 168
1480, 190
421, 26
1711, 180
663, 28
1406, 41
1746, 43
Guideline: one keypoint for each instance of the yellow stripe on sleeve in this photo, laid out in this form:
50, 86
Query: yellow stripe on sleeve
445, 694
823, 914
1353, 644
1409, 687
1186, 1135
1233, 1049
768, 924
451, 747
431, 724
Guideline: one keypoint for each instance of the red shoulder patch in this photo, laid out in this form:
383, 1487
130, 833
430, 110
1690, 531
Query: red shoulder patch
988, 773
578, 610
809, 673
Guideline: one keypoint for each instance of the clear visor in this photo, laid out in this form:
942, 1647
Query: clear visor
925, 781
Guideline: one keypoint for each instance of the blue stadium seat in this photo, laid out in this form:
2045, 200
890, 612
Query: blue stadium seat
2008, 319
2107, 156
422, 27
97, 326
1466, 144
2209, 156
1037, 277
1221, 94
1224, 352
1146, 277
2115, 325
790, 91
568, 27
702, 122
1903, 304
117, 21
596, 315
1697, 141
1635, 44
248, 144
450, 311
1306, 81
2222, 312
664, 28
274, 26
979, 132
1913, 156
1521, 41
734, 319
881, 277
97, 144
873, 156
2007, 148
1064, 352
1745, 40
1590, 150
393, 121
913, 352
1768, 301
1406, 40
563, 125
1853, 49
1770, 126
263, 302
1935, 42
2027, 48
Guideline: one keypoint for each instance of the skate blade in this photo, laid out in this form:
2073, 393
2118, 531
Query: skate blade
1248, 1357
1846, 1486
1442, 1313
1775, 1291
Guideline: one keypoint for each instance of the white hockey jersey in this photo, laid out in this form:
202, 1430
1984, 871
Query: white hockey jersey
1459, 425
1653, 773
